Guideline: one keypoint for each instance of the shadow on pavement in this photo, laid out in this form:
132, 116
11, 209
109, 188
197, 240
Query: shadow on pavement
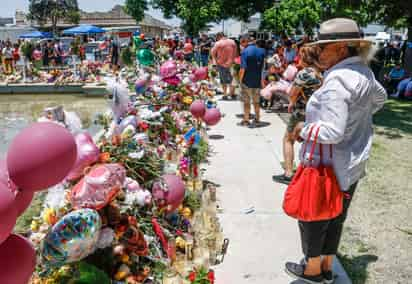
356, 267
216, 137
262, 124
240, 115
229, 99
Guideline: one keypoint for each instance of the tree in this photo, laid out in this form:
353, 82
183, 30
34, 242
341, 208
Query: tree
136, 9
195, 14
308, 14
44, 11
394, 13
292, 14
244, 9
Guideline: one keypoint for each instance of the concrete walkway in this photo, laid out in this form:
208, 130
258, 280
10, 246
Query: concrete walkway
243, 163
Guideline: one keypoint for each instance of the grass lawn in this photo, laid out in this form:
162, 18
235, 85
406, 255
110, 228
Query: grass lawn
24, 221
377, 241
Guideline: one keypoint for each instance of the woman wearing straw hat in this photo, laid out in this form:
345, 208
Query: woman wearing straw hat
342, 109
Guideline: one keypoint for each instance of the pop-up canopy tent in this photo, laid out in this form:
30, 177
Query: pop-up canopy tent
83, 30
36, 34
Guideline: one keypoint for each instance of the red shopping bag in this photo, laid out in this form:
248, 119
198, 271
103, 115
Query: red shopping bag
314, 193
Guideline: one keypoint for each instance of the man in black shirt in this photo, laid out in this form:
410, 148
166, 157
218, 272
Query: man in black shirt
114, 52
205, 45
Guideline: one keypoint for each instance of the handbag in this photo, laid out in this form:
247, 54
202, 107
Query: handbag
314, 193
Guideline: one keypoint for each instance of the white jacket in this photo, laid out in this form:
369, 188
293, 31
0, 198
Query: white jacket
343, 109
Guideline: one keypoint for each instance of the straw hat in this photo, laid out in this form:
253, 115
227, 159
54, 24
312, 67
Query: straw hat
340, 30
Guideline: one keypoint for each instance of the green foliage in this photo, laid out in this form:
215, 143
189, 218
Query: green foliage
391, 12
127, 56
34, 210
27, 49
195, 14
307, 14
90, 274
136, 9
292, 14
192, 200
243, 9
44, 11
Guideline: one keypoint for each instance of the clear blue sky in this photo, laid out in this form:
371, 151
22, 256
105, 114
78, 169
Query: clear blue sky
8, 7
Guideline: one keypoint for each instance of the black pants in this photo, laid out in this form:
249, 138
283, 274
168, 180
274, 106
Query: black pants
323, 237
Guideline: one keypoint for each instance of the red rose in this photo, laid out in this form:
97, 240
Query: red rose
192, 276
211, 276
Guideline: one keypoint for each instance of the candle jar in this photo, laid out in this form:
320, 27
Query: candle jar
201, 257
189, 247
171, 251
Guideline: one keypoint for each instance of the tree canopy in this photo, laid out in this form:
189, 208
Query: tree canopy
44, 11
136, 9
196, 15
290, 14
309, 13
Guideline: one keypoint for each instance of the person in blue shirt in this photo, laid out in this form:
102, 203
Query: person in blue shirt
289, 53
393, 78
250, 76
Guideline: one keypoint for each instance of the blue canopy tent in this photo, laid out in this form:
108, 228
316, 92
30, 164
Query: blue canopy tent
36, 34
83, 30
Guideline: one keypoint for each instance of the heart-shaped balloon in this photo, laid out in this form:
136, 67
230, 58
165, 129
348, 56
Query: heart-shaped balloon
87, 154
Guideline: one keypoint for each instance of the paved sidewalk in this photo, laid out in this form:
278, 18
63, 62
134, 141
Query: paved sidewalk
243, 163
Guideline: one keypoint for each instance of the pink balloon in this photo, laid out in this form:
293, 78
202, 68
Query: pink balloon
41, 156
4, 176
98, 187
173, 193
87, 154
23, 200
290, 73
140, 83
174, 81
201, 73
17, 260
212, 116
83, 137
8, 213
179, 54
192, 78
168, 69
198, 109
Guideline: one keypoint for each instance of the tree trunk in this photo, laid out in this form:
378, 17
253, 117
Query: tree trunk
408, 50
54, 26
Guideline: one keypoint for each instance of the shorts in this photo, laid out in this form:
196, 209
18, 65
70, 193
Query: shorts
250, 94
294, 119
225, 75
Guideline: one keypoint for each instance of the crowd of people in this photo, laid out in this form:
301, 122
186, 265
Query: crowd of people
327, 86
51, 53
332, 95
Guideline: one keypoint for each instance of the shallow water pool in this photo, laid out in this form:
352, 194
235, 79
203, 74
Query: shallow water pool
18, 111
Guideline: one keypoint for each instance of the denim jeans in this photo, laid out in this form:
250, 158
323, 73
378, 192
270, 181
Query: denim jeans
204, 59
